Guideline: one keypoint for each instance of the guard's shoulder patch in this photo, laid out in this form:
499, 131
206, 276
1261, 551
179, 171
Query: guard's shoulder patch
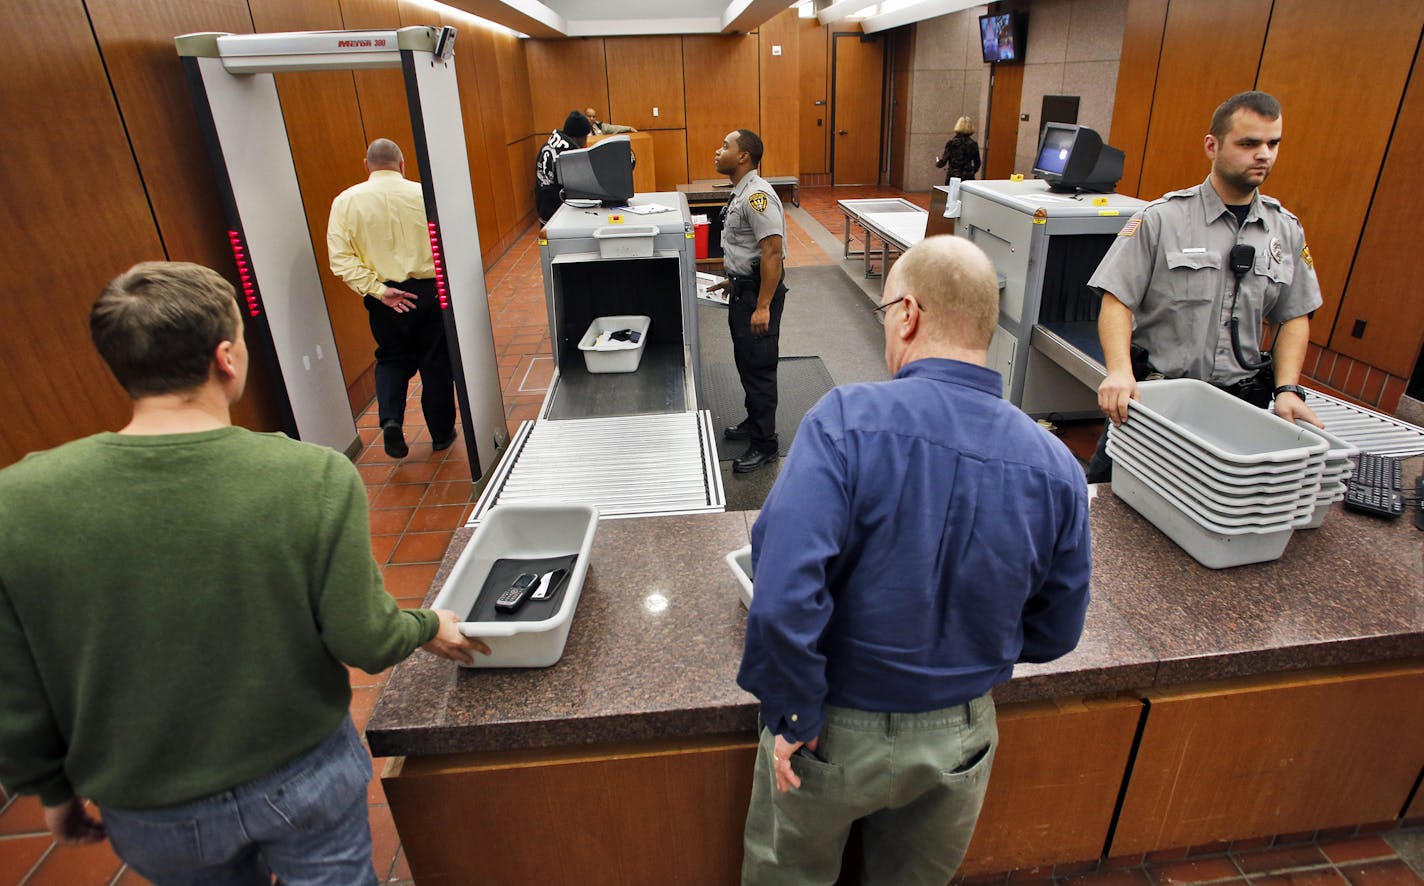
1305, 256
1130, 228
758, 201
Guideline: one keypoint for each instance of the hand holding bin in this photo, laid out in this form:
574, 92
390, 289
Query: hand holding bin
511, 534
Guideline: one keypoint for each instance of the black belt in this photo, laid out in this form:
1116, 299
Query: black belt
745, 278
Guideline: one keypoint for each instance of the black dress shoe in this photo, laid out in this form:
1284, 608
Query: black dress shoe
395, 440
753, 459
736, 432
442, 443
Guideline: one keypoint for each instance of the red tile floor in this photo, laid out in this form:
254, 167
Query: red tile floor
418, 502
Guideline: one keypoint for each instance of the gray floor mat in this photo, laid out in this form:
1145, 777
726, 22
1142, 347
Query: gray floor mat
800, 382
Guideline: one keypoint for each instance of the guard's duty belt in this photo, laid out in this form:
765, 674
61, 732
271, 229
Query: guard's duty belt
740, 281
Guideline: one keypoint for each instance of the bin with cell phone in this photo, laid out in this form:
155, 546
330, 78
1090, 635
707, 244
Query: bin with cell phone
516, 585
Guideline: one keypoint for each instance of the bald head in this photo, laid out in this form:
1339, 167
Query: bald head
384, 154
955, 285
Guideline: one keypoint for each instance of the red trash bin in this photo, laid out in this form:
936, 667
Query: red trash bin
700, 232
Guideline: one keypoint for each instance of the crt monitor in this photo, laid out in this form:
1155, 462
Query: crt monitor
1074, 158
603, 172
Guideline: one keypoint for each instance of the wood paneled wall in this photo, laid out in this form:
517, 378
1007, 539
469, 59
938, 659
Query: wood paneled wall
1136, 78
1331, 70
780, 94
1351, 123
565, 75
110, 170
75, 215
1211, 49
815, 87
703, 85
1383, 290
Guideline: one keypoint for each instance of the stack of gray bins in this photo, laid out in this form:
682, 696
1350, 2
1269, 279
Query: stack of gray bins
1226, 481
1335, 477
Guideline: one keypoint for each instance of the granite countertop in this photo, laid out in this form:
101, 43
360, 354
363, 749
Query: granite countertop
705, 190
655, 643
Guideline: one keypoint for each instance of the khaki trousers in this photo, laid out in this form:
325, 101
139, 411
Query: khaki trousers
915, 782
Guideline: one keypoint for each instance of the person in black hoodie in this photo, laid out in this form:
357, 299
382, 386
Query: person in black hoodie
961, 153
573, 134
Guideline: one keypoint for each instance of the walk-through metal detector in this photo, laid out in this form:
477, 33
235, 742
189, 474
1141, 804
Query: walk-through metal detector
230, 76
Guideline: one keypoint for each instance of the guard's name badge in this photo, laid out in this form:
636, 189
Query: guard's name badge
1277, 252
758, 201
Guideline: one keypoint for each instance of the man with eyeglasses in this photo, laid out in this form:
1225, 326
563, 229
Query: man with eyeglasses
753, 251
923, 536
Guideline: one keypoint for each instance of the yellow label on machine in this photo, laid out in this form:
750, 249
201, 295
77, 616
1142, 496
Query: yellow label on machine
543, 242
691, 236
1107, 212
1100, 201
1016, 177
615, 219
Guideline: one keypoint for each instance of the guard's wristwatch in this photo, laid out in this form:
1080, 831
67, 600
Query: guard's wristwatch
1289, 389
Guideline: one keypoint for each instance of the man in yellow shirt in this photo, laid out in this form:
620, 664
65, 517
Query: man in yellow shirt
377, 241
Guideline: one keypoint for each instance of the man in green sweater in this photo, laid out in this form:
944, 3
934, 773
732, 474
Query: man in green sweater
178, 604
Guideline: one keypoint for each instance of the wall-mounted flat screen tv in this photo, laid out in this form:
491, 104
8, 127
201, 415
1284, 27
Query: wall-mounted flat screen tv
1002, 36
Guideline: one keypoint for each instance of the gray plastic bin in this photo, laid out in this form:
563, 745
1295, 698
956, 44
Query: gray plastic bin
740, 562
1209, 513
528, 532
1213, 549
1231, 430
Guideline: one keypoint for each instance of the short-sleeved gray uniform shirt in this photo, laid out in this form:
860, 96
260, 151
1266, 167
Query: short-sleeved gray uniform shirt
1171, 265
753, 214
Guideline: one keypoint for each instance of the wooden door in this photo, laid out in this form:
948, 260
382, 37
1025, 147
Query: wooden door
859, 72
1003, 143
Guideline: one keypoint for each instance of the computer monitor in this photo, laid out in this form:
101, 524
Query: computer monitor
1074, 158
603, 172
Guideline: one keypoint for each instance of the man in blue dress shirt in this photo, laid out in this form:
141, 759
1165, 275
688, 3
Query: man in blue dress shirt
923, 536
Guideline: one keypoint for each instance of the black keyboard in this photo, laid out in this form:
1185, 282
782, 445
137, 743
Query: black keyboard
1376, 486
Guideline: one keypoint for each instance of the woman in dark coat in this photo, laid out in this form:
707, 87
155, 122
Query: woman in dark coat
961, 153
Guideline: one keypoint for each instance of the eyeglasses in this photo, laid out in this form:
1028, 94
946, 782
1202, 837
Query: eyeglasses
892, 302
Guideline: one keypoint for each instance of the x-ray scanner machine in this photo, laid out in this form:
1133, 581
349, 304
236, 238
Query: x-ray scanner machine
231, 79
1046, 246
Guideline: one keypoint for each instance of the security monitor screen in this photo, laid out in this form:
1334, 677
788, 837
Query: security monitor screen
1057, 146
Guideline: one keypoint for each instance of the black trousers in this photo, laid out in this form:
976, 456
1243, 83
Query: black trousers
756, 357
410, 342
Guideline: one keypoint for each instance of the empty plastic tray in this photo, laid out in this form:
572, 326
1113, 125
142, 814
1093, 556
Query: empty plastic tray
528, 532
1231, 430
740, 562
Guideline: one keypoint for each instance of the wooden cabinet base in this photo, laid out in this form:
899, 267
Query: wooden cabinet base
1274, 755
673, 812
666, 812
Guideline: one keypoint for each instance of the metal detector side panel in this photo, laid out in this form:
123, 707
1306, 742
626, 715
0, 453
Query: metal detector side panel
440, 126
247, 120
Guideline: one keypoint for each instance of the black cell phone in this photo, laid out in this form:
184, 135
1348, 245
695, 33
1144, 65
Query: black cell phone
518, 591
552, 581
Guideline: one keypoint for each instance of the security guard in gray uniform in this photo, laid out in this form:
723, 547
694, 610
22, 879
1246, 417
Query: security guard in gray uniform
753, 250
1191, 276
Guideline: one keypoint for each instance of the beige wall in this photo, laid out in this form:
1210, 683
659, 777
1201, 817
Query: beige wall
948, 79
1073, 49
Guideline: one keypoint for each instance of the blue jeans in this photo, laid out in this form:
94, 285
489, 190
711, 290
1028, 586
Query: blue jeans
306, 822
